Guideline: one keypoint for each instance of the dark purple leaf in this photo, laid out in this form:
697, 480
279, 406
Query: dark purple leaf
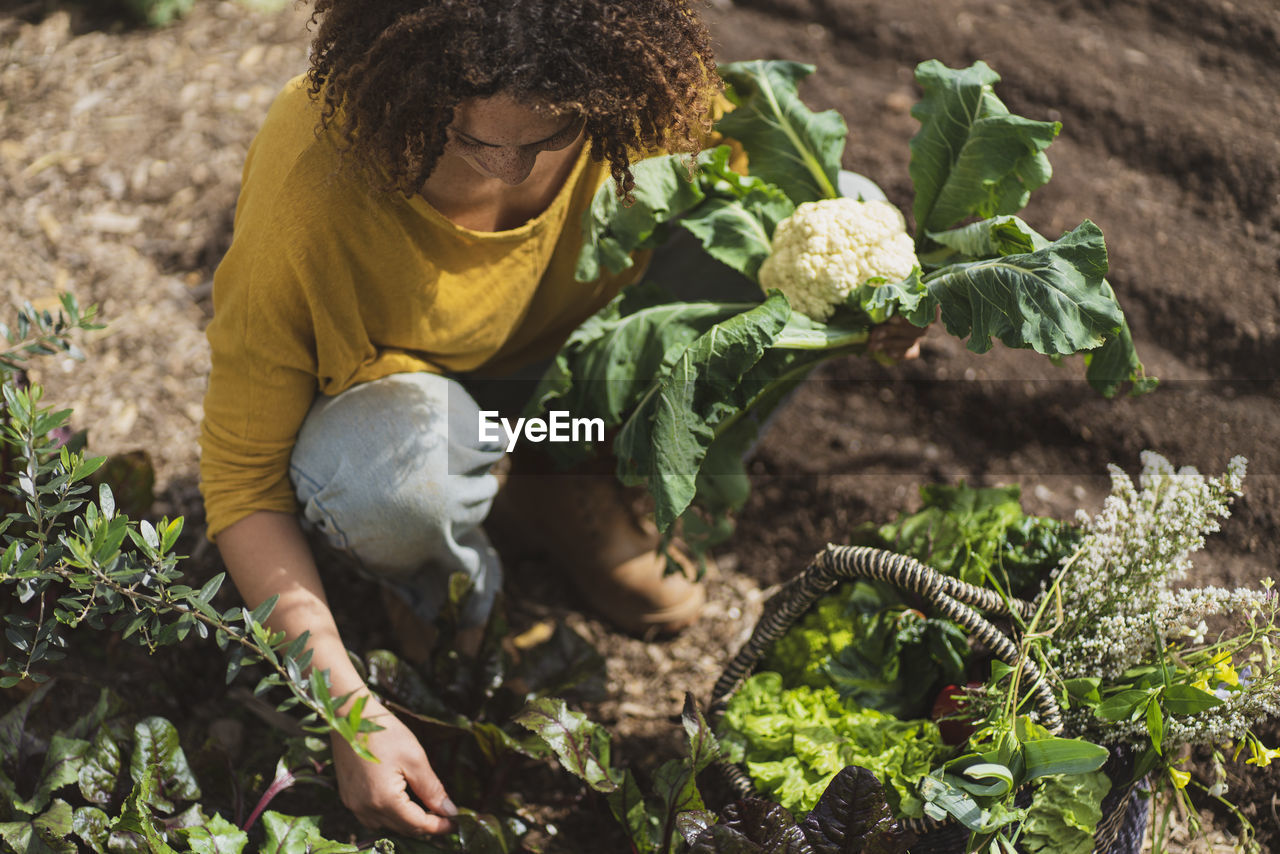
852, 817
768, 825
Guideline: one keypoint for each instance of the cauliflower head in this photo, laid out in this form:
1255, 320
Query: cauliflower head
826, 249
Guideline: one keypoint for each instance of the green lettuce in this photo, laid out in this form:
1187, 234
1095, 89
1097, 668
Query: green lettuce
979, 535
1064, 813
862, 640
794, 741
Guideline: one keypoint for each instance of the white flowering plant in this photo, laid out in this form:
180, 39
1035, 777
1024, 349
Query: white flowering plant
1115, 667
1136, 659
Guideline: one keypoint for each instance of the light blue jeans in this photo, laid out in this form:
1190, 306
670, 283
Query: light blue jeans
393, 472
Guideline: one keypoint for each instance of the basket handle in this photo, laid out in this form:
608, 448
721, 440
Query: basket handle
953, 598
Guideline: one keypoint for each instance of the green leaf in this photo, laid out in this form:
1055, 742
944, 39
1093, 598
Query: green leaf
45, 834
735, 224
1045, 756
970, 156
1188, 700
62, 762
666, 438
614, 358
951, 800
100, 770
999, 776
93, 827
485, 834
216, 836
1122, 706
991, 238
630, 809
15, 741
612, 231
787, 144
1155, 722
1116, 362
136, 816
287, 834
581, 745
1064, 813
158, 756
1052, 300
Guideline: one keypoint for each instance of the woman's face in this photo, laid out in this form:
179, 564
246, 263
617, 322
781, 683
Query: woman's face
501, 137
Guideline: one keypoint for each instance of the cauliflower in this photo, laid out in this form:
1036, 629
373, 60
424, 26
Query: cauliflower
826, 249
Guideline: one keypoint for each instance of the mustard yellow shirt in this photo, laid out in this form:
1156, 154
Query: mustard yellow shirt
329, 283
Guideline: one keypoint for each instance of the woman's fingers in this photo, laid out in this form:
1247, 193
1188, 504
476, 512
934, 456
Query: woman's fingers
427, 786
380, 794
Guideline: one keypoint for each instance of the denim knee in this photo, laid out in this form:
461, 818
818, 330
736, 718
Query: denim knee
392, 472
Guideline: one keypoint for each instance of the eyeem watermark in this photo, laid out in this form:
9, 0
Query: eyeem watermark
557, 427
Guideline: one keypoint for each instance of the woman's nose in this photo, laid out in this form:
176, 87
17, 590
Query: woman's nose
511, 166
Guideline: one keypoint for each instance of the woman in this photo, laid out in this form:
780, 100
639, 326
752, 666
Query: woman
409, 220
410, 214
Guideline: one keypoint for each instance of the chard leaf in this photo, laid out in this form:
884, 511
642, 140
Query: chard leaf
136, 816
93, 827
390, 675
611, 231
719, 839
787, 144
62, 762
216, 836
674, 783
627, 803
852, 817
971, 157
581, 745
484, 834
703, 749
1052, 300
563, 661
45, 834
288, 834
158, 755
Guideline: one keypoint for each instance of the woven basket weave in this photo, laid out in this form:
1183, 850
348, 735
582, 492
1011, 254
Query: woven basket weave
1124, 809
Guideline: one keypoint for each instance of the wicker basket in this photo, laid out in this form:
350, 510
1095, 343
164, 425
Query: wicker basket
1124, 810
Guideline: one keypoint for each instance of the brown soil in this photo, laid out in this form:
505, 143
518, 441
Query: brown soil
120, 153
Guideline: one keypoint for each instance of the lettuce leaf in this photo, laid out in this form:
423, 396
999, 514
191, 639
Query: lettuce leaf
1064, 813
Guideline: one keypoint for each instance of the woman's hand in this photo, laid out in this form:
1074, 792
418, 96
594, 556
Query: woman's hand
895, 340
380, 793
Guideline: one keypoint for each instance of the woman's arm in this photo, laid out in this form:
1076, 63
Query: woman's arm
267, 555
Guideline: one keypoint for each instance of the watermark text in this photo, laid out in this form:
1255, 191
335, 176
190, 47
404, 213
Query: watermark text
558, 426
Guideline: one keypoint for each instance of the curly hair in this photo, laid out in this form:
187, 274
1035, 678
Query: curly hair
640, 73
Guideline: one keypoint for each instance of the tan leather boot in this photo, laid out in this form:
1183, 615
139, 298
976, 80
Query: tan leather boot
599, 534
